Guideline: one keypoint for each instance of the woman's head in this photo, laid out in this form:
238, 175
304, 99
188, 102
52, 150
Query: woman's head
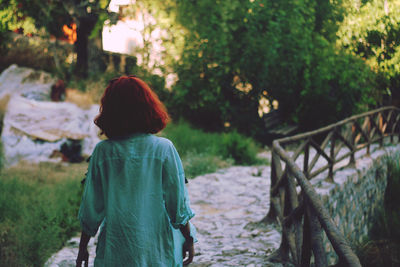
129, 106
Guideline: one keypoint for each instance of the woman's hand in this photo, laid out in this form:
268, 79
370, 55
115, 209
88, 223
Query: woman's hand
188, 247
83, 256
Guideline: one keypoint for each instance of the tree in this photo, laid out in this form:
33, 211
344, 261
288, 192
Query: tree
53, 14
230, 55
87, 15
371, 30
239, 52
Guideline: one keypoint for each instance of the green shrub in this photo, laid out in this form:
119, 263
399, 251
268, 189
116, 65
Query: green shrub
378, 253
196, 164
34, 52
38, 213
243, 150
392, 200
187, 139
204, 152
382, 247
333, 90
387, 221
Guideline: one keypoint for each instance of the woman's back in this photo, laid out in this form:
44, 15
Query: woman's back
135, 186
140, 181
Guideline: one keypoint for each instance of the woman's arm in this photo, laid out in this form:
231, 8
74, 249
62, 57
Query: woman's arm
177, 200
83, 254
188, 246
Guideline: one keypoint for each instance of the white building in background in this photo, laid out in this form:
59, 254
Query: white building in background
128, 35
125, 36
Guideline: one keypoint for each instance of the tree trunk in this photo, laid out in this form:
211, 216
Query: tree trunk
97, 59
85, 26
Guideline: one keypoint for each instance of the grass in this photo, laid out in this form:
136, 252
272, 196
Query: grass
38, 211
203, 152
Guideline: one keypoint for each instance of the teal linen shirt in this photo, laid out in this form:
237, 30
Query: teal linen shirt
135, 189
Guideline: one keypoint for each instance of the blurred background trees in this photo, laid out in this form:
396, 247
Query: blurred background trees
371, 31
311, 62
238, 53
31, 16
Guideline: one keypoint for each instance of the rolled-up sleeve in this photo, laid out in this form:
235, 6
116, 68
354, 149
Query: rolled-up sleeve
174, 190
91, 212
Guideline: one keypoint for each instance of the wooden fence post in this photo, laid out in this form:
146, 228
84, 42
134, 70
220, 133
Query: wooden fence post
316, 239
305, 160
294, 204
332, 157
272, 213
380, 128
306, 246
389, 125
353, 143
368, 125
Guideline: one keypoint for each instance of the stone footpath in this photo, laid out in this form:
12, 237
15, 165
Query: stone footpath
228, 205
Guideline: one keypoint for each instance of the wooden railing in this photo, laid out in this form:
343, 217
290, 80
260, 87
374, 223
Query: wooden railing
301, 213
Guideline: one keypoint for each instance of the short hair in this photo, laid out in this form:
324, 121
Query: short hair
129, 106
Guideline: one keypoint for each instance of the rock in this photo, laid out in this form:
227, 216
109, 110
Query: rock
34, 128
26, 82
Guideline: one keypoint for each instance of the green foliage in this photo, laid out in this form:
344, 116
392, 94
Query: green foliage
12, 18
2, 160
388, 221
236, 53
371, 30
50, 18
38, 213
33, 52
204, 152
242, 149
378, 253
54, 14
187, 139
209, 67
196, 164
383, 245
334, 90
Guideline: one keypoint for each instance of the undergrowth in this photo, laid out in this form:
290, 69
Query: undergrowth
204, 152
38, 211
382, 246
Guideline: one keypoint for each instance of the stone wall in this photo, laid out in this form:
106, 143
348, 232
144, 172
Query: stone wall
354, 201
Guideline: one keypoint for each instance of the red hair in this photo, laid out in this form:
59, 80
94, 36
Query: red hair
129, 106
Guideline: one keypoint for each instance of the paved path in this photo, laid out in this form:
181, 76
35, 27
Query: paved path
228, 205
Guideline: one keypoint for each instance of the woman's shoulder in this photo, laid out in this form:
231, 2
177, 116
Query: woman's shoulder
102, 144
150, 142
161, 141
